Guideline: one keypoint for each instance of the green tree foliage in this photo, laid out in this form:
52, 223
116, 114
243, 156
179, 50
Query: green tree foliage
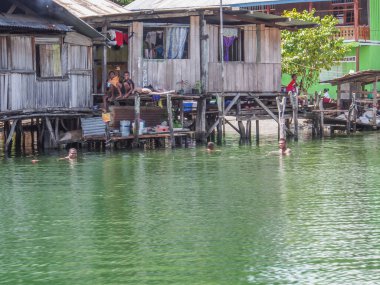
307, 51
122, 2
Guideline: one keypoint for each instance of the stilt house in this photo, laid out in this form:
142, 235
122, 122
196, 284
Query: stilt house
46, 58
176, 43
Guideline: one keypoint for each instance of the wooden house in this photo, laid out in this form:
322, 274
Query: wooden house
46, 63
173, 45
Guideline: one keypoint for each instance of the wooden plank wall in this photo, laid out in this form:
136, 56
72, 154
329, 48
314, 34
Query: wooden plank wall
20, 89
261, 69
3, 53
167, 73
135, 52
22, 53
4, 87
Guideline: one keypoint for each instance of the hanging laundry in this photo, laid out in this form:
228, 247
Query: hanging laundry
116, 38
119, 38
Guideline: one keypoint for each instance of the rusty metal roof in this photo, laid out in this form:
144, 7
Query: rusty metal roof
89, 8
365, 77
22, 23
175, 4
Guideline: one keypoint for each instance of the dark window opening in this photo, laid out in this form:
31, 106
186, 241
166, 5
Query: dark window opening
166, 43
48, 60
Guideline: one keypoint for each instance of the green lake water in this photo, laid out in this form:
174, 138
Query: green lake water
185, 216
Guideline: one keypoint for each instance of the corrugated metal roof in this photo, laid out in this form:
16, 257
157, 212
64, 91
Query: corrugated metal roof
365, 76
22, 22
88, 8
178, 4
93, 127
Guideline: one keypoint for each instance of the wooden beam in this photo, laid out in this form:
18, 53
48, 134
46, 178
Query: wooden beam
374, 114
104, 65
12, 9
24, 8
11, 132
225, 112
270, 113
170, 119
232, 126
50, 128
137, 119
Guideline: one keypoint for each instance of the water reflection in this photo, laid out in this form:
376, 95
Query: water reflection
190, 217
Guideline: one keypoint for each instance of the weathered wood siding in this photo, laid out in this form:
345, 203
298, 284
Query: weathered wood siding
166, 73
3, 53
21, 89
261, 69
4, 87
21, 50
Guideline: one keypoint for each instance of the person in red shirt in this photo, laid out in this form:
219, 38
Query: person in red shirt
292, 86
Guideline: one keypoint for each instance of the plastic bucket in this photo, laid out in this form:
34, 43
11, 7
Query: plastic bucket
125, 128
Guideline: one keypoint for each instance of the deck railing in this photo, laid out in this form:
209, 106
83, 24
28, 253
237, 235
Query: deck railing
348, 32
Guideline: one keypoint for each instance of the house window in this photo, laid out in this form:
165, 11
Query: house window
233, 42
166, 42
48, 58
343, 12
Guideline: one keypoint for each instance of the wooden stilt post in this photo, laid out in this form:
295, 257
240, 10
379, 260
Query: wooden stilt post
281, 104
220, 119
56, 130
137, 119
240, 123
249, 130
294, 100
5, 132
204, 60
181, 112
10, 135
51, 132
234, 100
18, 137
32, 128
322, 119
257, 131
200, 124
22, 137
170, 118
374, 103
338, 96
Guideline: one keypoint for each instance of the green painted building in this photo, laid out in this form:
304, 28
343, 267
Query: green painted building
344, 10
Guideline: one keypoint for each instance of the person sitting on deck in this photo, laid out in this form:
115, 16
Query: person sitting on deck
326, 96
292, 86
113, 85
283, 150
128, 86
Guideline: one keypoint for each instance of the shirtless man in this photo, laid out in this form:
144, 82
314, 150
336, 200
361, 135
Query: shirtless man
72, 155
283, 150
128, 85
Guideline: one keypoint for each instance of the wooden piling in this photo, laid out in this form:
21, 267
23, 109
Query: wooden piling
257, 131
374, 103
10, 135
249, 131
294, 99
170, 119
137, 119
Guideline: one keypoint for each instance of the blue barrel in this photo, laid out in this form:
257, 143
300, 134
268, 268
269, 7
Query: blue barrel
125, 128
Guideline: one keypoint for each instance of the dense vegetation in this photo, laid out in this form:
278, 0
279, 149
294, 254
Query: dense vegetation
122, 2
307, 51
